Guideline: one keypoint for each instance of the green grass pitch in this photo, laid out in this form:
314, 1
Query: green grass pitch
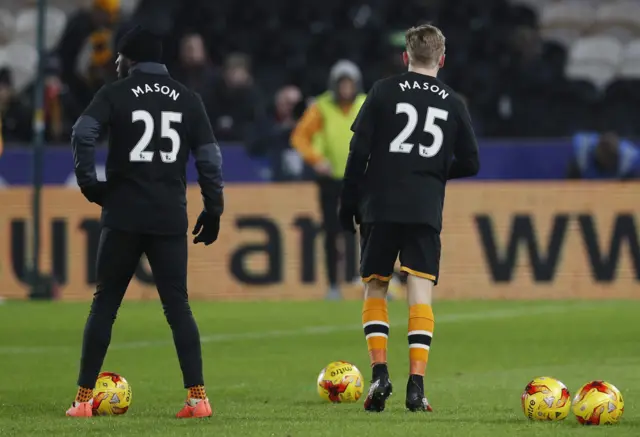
262, 359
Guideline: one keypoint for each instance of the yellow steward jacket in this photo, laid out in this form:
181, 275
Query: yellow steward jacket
324, 132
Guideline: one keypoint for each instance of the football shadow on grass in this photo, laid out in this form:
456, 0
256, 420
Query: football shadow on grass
315, 403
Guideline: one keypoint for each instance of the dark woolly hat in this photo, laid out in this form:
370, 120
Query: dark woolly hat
140, 45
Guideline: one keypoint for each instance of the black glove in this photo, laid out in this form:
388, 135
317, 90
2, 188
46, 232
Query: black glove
348, 214
95, 193
206, 229
348, 208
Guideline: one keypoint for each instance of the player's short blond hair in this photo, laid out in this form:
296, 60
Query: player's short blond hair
425, 45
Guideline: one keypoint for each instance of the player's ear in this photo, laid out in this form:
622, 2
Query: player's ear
405, 58
441, 63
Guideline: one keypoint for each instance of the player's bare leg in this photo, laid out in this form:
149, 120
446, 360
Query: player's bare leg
375, 320
421, 322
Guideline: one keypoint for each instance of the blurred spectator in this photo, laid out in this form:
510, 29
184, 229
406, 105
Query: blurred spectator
236, 101
272, 141
93, 25
101, 63
497, 57
529, 66
604, 156
60, 106
526, 45
15, 111
528, 80
195, 69
322, 137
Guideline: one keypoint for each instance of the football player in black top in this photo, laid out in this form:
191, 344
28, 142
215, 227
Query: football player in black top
412, 134
154, 123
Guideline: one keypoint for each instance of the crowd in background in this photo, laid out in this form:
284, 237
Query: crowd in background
256, 64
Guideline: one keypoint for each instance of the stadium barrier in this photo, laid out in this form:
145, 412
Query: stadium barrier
501, 241
501, 159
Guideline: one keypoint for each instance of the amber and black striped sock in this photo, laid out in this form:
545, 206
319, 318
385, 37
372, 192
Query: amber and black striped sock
375, 322
421, 325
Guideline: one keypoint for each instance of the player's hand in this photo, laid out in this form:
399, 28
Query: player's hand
95, 193
206, 229
323, 168
349, 217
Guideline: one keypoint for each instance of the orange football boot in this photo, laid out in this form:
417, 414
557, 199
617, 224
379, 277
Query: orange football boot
80, 409
200, 409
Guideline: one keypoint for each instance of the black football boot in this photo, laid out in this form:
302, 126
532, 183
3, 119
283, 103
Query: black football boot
416, 401
379, 390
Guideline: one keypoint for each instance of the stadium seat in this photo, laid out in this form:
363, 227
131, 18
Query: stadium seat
128, 6
67, 6
627, 90
621, 99
596, 3
620, 18
22, 60
630, 69
623, 94
7, 26
21, 55
569, 14
598, 49
565, 21
630, 65
27, 25
632, 50
600, 74
562, 35
621, 33
574, 106
536, 5
522, 15
526, 109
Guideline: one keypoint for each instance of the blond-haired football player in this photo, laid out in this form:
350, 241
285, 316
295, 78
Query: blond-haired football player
412, 134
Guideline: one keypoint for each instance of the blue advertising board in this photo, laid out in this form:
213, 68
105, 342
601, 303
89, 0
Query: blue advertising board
500, 160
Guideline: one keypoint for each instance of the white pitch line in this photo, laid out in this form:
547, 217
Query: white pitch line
310, 330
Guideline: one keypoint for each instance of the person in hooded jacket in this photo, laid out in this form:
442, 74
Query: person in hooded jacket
322, 138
